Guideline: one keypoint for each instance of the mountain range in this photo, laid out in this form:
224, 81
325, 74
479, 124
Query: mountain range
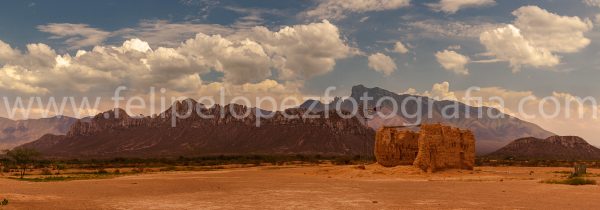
107, 136
491, 133
551, 148
17, 132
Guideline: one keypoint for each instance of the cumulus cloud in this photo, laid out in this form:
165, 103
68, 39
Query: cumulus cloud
241, 61
335, 10
441, 91
382, 63
303, 51
551, 31
400, 48
453, 6
453, 61
7, 52
535, 37
508, 44
75, 35
246, 58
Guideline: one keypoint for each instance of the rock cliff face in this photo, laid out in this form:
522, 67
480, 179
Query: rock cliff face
433, 148
124, 136
552, 148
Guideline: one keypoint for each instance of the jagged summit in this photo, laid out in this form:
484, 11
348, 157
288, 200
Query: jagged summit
224, 134
112, 114
491, 133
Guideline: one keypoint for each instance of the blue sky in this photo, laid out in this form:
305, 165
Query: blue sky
418, 69
443, 40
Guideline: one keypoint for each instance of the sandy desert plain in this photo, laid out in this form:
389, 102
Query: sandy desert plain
322, 186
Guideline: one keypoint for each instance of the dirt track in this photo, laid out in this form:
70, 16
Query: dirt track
322, 187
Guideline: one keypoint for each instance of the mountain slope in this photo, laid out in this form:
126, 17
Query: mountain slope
154, 137
491, 133
16, 132
552, 148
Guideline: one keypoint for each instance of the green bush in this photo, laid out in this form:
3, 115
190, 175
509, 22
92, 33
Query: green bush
572, 181
580, 181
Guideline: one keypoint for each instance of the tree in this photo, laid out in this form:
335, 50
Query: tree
59, 167
23, 157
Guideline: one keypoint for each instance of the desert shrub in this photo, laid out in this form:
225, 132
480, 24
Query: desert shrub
46, 171
4, 202
580, 181
571, 181
102, 171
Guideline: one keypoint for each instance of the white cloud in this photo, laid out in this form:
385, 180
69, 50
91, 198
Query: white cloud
246, 58
534, 38
382, 63
400, 48
592, 3
75, 35
241, 61
453, 61
7, 52
441, 91
550, 31
507, 44
452, 6
15, 78
303, 51
335, 10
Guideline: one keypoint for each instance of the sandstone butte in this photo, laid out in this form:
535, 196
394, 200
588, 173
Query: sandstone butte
435, 147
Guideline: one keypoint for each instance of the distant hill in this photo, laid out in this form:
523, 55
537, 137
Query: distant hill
491, 134
552, 148
108, 136
16, 132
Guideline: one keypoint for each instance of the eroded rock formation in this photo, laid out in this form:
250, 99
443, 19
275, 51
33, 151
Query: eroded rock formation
300, 132
395, 147
433, 148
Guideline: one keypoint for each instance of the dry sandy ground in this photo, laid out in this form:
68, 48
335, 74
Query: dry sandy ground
314, 187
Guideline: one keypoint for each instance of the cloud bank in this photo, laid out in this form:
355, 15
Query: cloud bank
536, 37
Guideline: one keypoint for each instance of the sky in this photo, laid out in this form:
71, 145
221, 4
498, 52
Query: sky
436, 48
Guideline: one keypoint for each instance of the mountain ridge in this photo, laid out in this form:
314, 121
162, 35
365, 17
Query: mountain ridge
491, 134
17, 132
553, 148
107, 136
